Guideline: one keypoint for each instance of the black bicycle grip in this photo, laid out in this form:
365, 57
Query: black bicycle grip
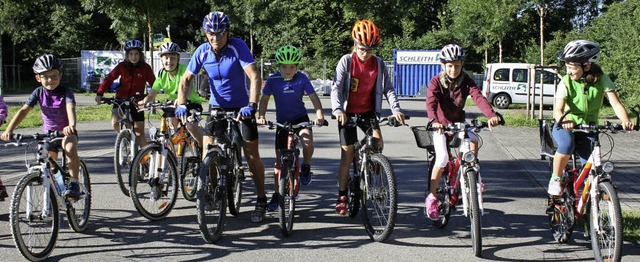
559, 124
501, 121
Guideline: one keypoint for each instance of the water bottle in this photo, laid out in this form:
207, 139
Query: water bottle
59, 180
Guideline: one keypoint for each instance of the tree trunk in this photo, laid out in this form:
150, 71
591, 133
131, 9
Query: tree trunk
500, 49
542, 14
150, 28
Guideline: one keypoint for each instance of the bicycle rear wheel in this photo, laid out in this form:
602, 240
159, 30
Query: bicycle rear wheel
379, 199
606, 224
189, 167
122, 159
34, 218
234, 183
78, 210
153, 198
474, 212
287, 198
211, 202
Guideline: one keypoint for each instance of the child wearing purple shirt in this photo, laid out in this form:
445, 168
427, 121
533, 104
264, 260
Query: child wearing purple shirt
3, 115
58, 114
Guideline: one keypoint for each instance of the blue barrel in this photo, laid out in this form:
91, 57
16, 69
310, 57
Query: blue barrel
413, 69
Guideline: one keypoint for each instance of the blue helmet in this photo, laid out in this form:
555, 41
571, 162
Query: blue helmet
216, 22
133, 44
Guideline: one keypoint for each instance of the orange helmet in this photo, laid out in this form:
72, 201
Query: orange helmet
366, 33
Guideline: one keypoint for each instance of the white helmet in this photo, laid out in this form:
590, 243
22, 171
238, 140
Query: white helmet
580, 51
452, 52
169, 48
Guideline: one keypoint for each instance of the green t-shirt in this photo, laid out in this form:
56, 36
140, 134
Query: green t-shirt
584, 106
171, 86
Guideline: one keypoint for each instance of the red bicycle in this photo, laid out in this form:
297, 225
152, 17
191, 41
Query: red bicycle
597, 205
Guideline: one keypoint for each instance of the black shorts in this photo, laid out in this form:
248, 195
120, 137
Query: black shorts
248, 127
133, 108
349, 134
171, 112
282, 134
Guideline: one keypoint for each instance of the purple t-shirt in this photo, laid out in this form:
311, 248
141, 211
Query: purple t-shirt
288, 95
227, 79
53, 105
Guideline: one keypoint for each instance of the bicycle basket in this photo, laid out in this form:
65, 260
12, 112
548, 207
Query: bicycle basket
423, 137
547, 145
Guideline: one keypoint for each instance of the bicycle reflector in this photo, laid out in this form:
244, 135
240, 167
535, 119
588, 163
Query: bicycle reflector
469, 157
607, 167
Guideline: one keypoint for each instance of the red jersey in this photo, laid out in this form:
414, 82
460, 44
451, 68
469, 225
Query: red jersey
361, 88
132, 79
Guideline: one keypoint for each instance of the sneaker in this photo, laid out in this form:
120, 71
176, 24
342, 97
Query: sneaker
274, 203
73, 191
554, 186
305, 175
3, 193
258, 214
341, 205
431, 204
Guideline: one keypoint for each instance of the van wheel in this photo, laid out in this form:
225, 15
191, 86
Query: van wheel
502, 101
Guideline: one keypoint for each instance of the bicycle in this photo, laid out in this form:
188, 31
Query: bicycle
154, 183
221, 174
597, 205
37, 199
461, 177
372, 183
289, 177
125, 147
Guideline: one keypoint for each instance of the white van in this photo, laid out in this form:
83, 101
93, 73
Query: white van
506, 83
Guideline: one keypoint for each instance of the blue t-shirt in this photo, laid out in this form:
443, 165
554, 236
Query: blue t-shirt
288, 95
227, 80
53, 105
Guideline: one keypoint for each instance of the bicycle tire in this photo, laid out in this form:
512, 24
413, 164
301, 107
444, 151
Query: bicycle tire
561, 219
151, 202
287, 200
189, 167
122, 159
606, 216
444, 202
211, 202
34, 236
78, 211
474, 213
379, 198
236, 176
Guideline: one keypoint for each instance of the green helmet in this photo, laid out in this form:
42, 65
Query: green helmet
288, 55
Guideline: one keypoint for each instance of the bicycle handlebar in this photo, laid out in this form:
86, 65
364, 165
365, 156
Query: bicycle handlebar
18, 138
288, 126
357, 119
608, 126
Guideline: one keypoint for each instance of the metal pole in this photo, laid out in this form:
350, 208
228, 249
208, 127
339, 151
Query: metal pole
541, 92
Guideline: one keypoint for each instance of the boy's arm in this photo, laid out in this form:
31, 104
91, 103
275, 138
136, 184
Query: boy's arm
71, 115
15, 121
262, 109
315, 100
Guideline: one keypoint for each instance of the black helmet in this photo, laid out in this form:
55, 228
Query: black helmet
45, 63
580, 51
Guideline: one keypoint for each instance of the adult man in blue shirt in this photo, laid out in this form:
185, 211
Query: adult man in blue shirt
226, 61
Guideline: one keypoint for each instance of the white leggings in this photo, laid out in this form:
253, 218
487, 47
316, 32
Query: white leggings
440, 146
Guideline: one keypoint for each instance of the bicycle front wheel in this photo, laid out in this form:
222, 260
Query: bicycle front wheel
234, 183
154, 195
474, 212
606, 224
379, 198
78, 210
211, 202
189, 167
34, 218
287, 198
122, 159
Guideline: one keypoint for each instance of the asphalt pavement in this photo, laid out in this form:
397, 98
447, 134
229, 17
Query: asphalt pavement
515, 226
